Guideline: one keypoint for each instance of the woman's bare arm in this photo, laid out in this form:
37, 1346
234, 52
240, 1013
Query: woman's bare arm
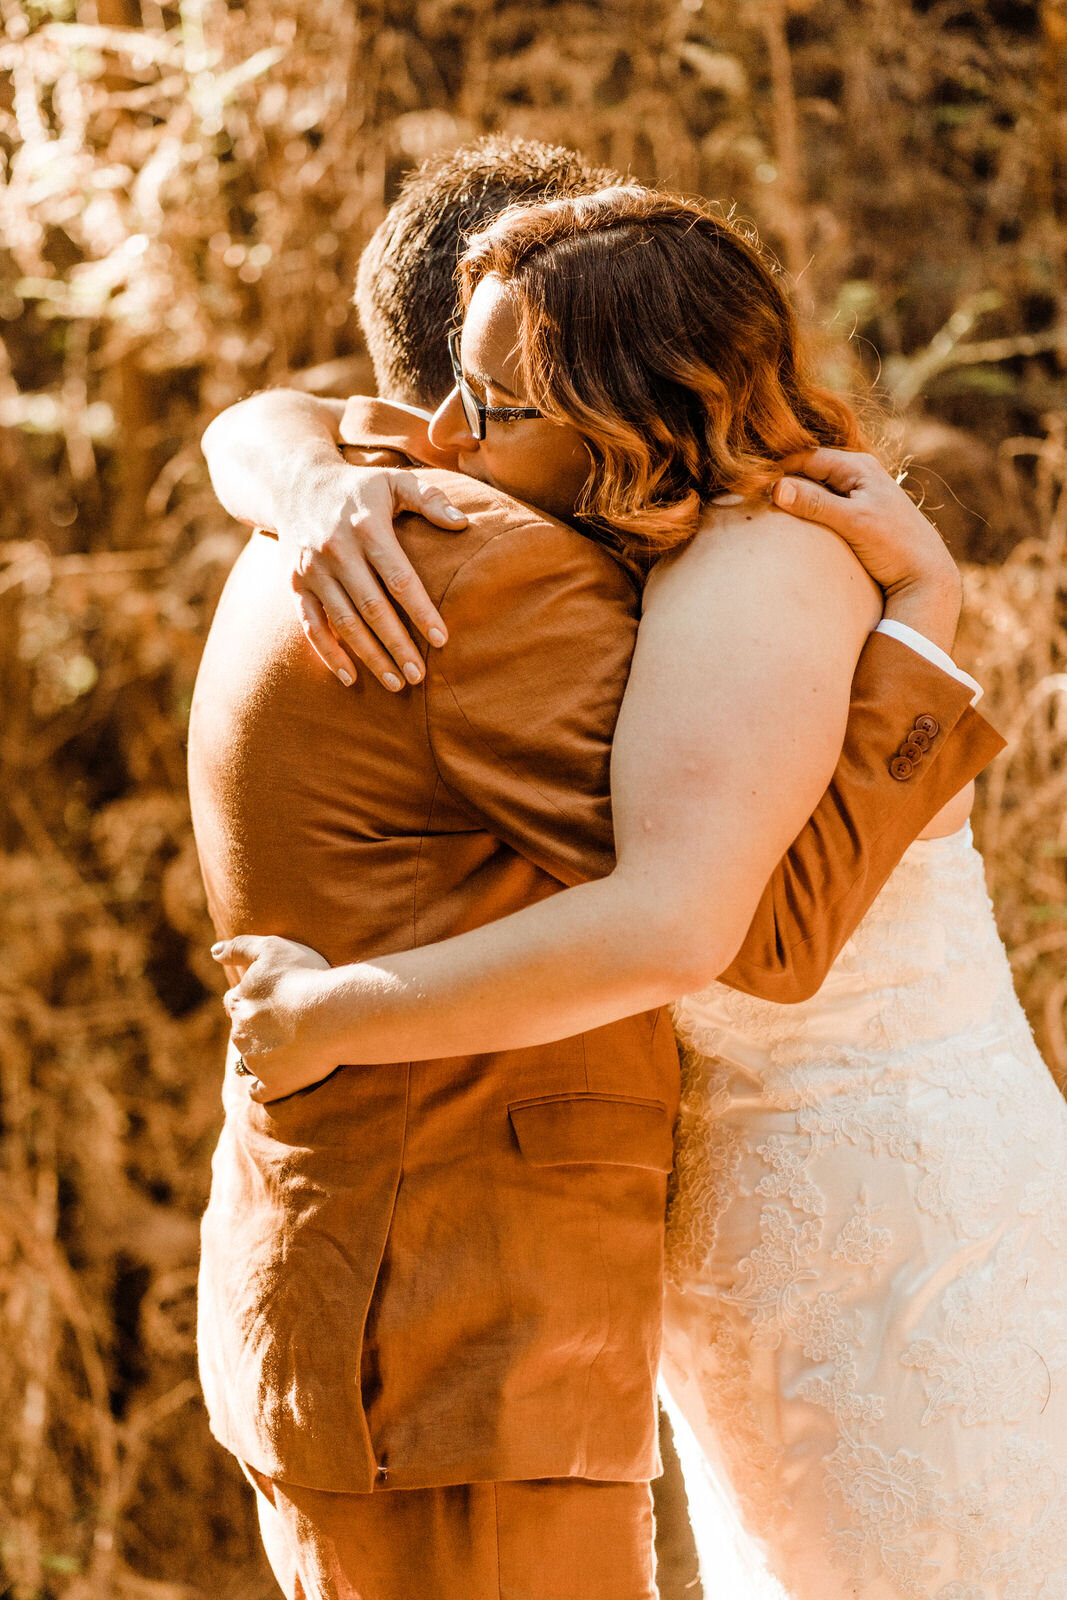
730, 730
265, 454
275, 463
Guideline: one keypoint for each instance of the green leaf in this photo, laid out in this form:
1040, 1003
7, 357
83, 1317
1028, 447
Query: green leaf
54, 1563
978, 380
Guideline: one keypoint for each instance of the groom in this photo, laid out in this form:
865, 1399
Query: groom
430, 1291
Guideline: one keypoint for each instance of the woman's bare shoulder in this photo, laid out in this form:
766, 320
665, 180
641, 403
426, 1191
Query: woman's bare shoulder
752, 542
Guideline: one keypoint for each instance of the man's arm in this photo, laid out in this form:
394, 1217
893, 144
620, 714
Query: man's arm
498, 715
825, 882
736, 704
871, 811
830, 876
498, 720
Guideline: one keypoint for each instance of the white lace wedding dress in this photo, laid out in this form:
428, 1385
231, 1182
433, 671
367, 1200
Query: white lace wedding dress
867, 1279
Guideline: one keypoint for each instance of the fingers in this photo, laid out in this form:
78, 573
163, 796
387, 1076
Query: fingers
245, 1026
837, 488
322, 639
840, 470
347, 578
425, 499
369, 628
394, 569
802, 498
240, 952
254, 1086
436, 507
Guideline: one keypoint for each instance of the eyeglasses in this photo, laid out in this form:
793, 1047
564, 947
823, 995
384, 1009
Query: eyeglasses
476, 412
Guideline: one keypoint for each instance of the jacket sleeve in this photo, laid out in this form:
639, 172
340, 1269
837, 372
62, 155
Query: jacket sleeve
522, 704
886, 788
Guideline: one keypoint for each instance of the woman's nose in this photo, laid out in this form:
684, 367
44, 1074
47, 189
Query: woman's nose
449, 428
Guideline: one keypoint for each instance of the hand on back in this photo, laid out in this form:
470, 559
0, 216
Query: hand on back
350, 574
278, 1013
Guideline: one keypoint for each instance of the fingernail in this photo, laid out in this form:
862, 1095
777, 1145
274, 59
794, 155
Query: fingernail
437, 637
391, 681
412, 673
452, 515
346, 678
784, 493
216, 949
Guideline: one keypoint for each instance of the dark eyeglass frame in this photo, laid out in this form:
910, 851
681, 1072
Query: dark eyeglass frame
475, 411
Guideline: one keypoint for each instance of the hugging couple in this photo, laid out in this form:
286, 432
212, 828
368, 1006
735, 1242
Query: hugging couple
668, 745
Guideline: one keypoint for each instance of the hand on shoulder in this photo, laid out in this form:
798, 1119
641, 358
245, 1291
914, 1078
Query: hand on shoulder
852, 493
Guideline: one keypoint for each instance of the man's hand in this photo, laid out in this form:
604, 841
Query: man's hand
855, 496
335, 530
278, 1013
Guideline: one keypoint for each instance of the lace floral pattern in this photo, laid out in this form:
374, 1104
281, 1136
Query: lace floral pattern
866, 1321
999, 1349
859, 1242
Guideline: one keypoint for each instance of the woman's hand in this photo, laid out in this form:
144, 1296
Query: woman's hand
279, 1017
856, 497
337, 535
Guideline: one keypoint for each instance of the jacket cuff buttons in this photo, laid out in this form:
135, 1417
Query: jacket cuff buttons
915, 746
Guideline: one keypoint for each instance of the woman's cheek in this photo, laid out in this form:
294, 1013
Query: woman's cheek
545, 468
524, 471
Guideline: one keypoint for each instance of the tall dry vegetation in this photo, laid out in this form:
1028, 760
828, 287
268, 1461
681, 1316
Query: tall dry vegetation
186, 191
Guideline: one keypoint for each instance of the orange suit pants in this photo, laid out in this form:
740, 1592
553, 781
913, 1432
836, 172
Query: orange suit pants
552, 1539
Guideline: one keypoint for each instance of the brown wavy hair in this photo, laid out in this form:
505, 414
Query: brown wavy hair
656, 326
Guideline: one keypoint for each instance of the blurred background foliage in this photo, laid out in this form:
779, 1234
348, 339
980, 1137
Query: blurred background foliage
185, 191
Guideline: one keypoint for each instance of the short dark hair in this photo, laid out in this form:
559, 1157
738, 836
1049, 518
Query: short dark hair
406, 293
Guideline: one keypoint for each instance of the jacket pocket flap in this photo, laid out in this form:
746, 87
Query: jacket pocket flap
613, 1130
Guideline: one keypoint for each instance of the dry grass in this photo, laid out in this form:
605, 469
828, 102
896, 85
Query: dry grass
186, 188
1015, 638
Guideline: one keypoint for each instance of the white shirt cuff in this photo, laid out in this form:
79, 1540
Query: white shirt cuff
932, 652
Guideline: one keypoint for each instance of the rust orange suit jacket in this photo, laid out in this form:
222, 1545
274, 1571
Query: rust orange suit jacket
449, 1271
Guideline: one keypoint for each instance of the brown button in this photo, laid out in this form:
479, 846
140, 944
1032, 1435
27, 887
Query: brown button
901, 768
928, 724
912, 750
923, 740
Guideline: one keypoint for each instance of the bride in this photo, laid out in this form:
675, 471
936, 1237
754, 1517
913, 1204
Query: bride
866, 1327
